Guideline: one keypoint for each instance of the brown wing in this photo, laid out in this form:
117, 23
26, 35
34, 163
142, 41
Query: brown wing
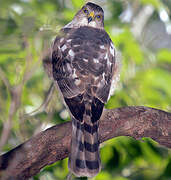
63, 71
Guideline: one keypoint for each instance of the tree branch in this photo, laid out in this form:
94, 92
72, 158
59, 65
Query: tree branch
53, 144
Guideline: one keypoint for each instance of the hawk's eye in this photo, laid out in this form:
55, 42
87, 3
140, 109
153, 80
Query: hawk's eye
85, 11
98, 17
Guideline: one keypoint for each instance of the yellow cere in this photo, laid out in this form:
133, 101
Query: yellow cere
91, 14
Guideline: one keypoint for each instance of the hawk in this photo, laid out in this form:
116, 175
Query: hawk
83, 65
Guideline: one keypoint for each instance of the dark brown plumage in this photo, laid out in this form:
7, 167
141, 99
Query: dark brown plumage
83, 58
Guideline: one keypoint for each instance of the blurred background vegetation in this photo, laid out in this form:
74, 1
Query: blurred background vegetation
141, 32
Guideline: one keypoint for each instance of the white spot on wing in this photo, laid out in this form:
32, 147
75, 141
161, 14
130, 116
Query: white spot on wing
102, 47
103, 75
71, 53
95, 60
69, 40
112, 51
106, 56
76, 45
64, 47
109, 63
61, 40
77, 82
74, 74
96, 78
86, 60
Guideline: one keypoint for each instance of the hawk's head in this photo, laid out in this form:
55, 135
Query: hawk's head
89, 15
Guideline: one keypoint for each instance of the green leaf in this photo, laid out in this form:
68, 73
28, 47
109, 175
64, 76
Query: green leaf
164, 55
156, 3
78, 4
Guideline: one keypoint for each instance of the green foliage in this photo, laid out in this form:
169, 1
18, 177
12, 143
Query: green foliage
78, 4
155, 3
26, 32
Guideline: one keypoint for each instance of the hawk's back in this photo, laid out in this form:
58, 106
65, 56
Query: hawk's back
88, 55
83, 65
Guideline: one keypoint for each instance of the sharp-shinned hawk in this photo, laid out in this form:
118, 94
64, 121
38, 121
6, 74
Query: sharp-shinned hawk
84, 66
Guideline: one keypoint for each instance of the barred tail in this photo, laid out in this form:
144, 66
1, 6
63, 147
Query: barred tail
84, 159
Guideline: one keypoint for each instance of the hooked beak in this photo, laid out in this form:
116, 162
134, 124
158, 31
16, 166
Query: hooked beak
90, 17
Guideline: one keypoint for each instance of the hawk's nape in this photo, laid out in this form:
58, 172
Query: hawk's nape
83, 61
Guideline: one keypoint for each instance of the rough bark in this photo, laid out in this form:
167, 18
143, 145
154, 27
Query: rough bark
53, 144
